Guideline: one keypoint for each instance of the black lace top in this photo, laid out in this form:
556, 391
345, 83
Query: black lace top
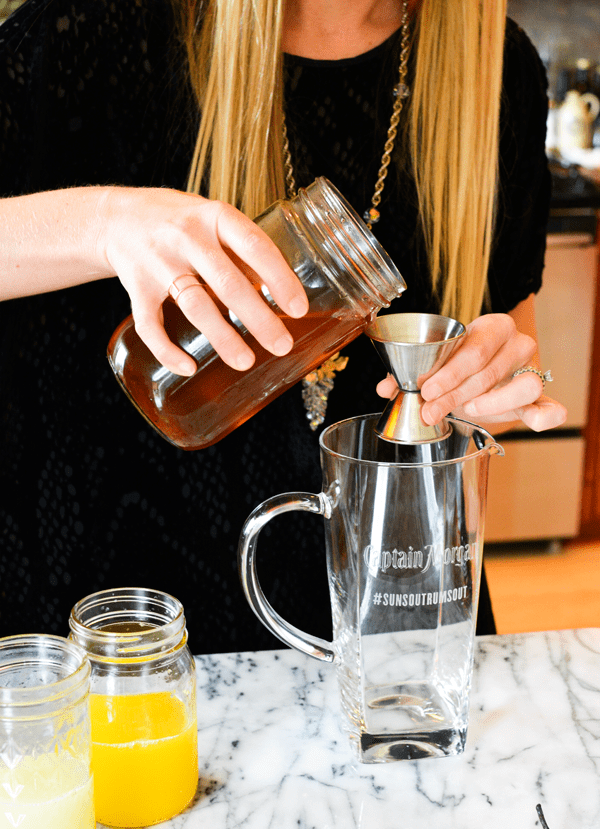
90, 496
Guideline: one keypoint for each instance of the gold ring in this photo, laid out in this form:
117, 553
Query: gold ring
545, 377
181, 284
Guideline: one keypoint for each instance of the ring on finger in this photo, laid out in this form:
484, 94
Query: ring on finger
181, 284
545, 376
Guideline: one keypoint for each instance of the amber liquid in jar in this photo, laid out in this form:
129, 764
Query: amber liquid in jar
348, 278
195, 412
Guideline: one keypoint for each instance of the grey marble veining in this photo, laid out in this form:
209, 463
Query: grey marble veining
273, 756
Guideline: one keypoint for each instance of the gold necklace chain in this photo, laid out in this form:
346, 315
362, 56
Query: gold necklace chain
317, 385
401, 92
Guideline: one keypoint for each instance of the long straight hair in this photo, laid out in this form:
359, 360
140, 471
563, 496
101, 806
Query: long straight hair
236, 71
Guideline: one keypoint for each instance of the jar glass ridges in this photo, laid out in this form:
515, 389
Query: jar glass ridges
45, 744
143, 704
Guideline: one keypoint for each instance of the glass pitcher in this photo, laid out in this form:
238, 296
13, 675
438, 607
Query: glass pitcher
143, 704
348, 278
45, 746
404, 538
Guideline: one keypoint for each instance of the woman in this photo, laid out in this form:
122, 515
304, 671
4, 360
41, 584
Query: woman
98, 94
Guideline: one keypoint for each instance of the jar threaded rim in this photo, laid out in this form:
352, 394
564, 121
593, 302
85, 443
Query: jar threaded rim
40, 674
128, 624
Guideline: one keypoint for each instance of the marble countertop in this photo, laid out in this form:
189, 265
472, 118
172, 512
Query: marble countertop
273, 756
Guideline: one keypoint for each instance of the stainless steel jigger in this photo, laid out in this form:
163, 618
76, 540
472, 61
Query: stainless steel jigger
413, 347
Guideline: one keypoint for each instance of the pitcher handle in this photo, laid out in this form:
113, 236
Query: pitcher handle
290, 635
594, 103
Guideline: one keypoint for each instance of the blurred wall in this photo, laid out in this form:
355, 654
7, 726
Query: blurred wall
564, 31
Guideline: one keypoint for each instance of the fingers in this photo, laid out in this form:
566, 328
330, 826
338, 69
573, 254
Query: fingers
478, 381
517, 393
492, 350
146, 307
235, 258
201, 309
258, 251
387, 388
149, 327
543, 414
157, 236
518, 399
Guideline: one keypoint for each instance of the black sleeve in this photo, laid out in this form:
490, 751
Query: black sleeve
525, 183
85, 95
20, 131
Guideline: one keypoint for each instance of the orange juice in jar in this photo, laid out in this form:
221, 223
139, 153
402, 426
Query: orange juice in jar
143, 705
144, 755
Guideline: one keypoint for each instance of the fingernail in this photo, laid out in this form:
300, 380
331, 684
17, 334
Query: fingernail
283, 345
430, 416
185, 369
298, 307
244, 361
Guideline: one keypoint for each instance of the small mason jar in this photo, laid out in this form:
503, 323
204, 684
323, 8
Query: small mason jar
45, 745
143, 704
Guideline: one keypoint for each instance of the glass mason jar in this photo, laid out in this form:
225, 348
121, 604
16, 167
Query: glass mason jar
143, 704
45, 744
348, 278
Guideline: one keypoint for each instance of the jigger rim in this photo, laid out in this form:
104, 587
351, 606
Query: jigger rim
490, 445
370, 330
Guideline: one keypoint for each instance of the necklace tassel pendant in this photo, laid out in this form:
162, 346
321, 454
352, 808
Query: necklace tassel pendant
316, 387
371, 216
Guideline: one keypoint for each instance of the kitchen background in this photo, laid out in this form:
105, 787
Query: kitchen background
563, 30
543, 521
523, 502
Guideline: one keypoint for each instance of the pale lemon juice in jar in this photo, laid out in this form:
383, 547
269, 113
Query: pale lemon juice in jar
47, 792
45, 747
143, 705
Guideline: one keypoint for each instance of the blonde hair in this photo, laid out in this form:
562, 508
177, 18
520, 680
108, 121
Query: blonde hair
235, 63
454, 135
236, 71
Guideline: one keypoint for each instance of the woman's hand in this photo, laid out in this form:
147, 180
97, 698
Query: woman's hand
149, 237
477, 382
153, 236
